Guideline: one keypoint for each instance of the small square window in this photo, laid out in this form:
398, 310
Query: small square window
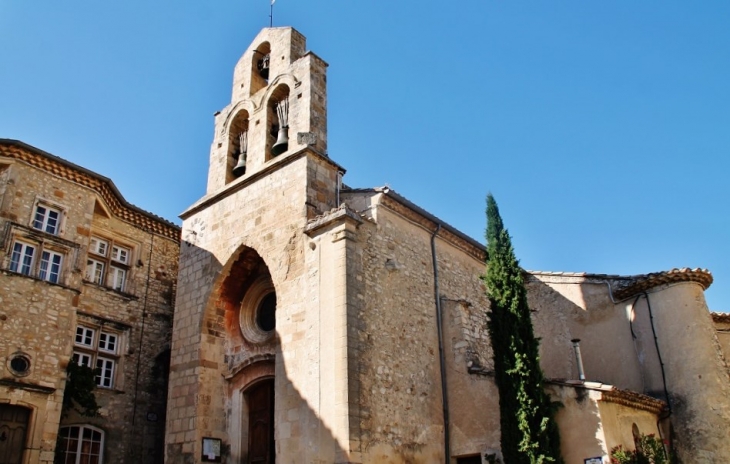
107, 342
82, 359
98, 246
47, 219
84, 336
120, 254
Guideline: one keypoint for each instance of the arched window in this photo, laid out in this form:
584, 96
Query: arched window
260, 63
637, 435
80, 444
237, 146
278, 120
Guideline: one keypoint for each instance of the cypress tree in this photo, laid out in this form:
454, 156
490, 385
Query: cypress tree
529, 432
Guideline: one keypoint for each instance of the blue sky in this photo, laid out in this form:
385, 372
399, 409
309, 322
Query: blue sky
602, 128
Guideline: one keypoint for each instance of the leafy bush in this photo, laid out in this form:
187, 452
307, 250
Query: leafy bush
649, 450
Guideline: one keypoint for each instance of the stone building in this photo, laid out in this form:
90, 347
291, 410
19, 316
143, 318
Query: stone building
318, 323
84, 275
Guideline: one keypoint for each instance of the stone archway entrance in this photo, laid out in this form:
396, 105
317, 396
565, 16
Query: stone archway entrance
260, 402
13, 428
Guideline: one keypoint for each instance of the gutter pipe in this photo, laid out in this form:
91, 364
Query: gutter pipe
442, 360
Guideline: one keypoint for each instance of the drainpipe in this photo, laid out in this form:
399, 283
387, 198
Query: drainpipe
442, 360
141, 333
578, 359
664, 415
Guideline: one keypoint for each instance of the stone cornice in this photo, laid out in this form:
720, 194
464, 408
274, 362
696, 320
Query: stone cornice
248, 179
333, 216
103, 186
27, 386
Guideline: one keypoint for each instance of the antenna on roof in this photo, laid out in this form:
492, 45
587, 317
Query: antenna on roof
271, 14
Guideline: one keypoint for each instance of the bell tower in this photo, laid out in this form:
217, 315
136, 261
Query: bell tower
278, 107
246, 374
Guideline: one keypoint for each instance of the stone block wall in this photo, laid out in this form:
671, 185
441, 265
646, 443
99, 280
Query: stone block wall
39, 318
400, 397
264, 216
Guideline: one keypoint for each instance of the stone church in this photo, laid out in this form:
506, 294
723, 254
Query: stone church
307, 321
320, 323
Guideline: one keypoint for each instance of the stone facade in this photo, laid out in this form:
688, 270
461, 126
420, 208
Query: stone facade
308, 313
84, 275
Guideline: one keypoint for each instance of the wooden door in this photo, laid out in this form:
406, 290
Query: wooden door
13, 427
261, 423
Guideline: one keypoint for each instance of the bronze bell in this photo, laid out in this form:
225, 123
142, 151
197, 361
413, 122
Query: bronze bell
282, 141
240, 168
263, 66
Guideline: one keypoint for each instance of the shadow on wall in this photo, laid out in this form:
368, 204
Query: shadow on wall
610, 353
559, 316
238, 388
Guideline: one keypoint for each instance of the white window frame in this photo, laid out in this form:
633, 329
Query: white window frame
117, 278
121, 254
95, 271
108, 263
107, 368
19, 258
108, 342
98, 348
98, 246
49, 270
83, 359
46, 222
86, 334
82, 444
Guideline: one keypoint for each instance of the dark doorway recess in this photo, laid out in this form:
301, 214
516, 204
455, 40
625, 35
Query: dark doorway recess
13, 428
260, 400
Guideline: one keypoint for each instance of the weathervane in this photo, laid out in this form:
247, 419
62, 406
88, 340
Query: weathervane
271, 14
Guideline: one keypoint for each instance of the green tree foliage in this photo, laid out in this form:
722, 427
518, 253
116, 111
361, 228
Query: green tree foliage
649, 450
79, 392
529, 432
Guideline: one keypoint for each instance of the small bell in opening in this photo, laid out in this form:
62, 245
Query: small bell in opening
240, 168
282, 141
282, 138
263, 66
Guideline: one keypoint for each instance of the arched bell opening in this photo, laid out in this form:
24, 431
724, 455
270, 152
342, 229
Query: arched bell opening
238, 137
260, 67
277, 141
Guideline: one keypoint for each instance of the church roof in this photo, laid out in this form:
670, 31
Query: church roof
624, 287
103, 186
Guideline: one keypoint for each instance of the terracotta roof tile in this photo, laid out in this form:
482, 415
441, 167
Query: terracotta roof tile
103, 186
644, 282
